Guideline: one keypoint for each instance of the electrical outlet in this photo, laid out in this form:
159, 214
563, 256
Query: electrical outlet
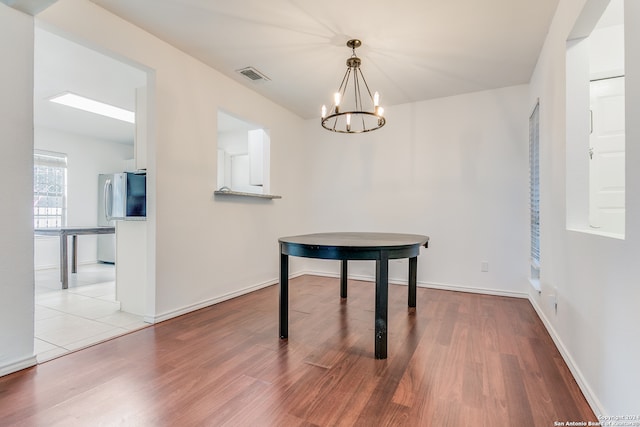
553, 302
484, 266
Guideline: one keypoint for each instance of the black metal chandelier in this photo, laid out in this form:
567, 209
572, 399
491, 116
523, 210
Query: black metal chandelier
348, 114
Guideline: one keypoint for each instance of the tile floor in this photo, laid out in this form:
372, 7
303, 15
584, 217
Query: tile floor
85, 314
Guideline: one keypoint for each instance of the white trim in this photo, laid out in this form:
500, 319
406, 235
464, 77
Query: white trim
474, 290
395, 281
25, 363
592, 400
212, 301
430, 285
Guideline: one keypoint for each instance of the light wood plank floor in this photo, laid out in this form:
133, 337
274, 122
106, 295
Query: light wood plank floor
460, 360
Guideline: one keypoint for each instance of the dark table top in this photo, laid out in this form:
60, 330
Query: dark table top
353, 245
358, 239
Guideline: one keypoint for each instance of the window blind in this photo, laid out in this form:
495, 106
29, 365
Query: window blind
534, 182
49, 189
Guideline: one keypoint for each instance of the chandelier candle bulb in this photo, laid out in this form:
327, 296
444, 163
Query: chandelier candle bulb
324, 111
376, 99
348, 122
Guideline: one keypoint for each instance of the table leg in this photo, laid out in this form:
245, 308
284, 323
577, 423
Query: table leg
64, 267
343, 279
413, 273
382, 299
74, 253
284, 296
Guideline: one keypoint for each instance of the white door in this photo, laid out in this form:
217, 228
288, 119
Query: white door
607, 156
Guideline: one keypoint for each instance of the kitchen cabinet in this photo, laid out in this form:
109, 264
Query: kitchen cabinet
258, 147
131, 266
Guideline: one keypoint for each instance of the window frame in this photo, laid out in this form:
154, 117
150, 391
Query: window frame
55, 171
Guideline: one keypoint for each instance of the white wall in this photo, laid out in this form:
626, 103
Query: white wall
16, 172
86, 159
594, 278
206, 248
455, 169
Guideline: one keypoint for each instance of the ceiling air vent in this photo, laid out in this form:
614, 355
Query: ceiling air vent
253, 74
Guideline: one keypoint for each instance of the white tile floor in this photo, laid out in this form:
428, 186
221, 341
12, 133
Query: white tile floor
85, 314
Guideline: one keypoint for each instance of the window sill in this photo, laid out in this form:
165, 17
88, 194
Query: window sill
241, 194
595, 232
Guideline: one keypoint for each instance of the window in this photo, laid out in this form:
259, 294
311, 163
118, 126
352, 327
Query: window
49, 189
534, 189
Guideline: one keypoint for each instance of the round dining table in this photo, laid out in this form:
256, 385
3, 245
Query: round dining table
345, 246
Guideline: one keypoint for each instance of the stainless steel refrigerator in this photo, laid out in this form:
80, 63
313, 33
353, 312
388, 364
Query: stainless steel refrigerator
106, 242
121, 196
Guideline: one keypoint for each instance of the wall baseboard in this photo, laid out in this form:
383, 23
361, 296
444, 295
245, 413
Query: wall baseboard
432, 285
473, 290
25, 363
592, 400
212, 301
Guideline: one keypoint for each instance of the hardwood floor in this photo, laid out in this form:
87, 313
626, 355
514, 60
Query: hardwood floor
459, 360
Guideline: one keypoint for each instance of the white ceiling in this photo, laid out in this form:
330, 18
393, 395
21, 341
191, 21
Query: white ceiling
412, 50
63, 66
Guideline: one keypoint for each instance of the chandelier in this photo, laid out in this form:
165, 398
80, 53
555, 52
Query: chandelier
348, 114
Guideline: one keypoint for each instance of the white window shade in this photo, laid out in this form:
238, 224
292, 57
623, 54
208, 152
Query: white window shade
49, 189
534, 183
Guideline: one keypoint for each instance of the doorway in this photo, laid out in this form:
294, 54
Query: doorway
90, 310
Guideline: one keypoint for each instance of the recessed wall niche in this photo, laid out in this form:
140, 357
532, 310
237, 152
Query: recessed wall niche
595, 96
243, 157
